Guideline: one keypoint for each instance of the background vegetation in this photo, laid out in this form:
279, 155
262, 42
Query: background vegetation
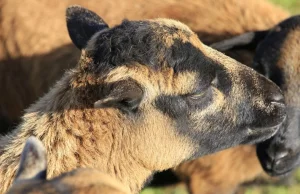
293, 188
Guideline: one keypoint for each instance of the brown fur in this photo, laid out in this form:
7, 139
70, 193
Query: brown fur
31, 176
23, 34
289, 63
221, 172
20, 17
244, 16
76, 134
24, 79
79, 181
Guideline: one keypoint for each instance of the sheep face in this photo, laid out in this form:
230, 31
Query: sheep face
180, 98
277, 57
31, 176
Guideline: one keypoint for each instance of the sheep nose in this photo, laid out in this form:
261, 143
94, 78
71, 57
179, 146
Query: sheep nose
276, 157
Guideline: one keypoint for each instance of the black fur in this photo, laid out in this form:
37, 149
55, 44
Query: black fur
174, 106
82, 25
139, 42
125, 95
248, 40
280, 154
164, 178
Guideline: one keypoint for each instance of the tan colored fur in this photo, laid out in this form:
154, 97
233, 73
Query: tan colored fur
23, 27
31, 176
28, 31
289, 56
79, 181
126, 147
31, 16
221, 172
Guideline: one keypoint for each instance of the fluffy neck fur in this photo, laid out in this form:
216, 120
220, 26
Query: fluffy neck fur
73, 138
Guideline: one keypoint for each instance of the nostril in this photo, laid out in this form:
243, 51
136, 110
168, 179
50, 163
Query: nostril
281, 154
277, 98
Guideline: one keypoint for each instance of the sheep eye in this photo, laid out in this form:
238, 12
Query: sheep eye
197, 95
201, 94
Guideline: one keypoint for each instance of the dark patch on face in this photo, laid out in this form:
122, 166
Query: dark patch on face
132, 41
181, 109
143, 42
174, 106
186, 57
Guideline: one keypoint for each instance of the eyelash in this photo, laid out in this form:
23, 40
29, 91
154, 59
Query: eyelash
199, 95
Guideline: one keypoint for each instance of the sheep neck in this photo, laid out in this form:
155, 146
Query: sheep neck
73, 138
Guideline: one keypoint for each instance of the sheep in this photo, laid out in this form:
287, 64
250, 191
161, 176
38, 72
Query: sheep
143, 88
27, 41
24, 35
240, 17
31, 176
40, 40
277, 58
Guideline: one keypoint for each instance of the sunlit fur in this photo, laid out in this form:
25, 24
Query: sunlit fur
35, 55
128, 144
31, 176
78, 181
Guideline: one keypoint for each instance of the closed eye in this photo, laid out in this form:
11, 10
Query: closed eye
201, 94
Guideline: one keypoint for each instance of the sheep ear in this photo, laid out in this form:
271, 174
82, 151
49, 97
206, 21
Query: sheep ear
82, 24
125, 95
248, 40
33, 164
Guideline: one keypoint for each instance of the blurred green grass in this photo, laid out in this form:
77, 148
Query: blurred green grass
294, 7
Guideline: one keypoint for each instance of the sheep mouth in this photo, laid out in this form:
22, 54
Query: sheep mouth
279, 167
279, 173
260, 134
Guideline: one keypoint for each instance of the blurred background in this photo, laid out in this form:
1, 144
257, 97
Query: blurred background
33, 50
290, 186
